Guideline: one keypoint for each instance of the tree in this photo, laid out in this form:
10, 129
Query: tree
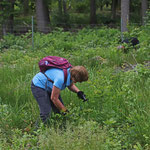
60, 7
42, 16
7, 16
124, 15
93, 19
11, 16
26, 7
64, 7
114, 7
144, 6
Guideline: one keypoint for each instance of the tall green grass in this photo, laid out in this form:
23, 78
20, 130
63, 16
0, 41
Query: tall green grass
116, 115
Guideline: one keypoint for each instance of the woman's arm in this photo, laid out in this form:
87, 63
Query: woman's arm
73, 88
55, 99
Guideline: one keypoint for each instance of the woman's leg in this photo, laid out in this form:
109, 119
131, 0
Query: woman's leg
43, 100
45, 104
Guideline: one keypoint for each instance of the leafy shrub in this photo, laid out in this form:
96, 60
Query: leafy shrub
82, 7
15, 42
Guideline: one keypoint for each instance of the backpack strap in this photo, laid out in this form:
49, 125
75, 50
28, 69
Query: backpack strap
48, 78
65, 75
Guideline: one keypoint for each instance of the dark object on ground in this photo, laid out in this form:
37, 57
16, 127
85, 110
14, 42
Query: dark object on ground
132, 42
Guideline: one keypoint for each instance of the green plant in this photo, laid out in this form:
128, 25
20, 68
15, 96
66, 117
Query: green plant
116, 115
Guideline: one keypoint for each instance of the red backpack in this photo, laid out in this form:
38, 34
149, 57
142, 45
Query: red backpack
54, 62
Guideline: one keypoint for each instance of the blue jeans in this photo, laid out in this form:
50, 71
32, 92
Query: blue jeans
44, 101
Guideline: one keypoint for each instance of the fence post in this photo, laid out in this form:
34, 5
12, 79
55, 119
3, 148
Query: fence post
32, 33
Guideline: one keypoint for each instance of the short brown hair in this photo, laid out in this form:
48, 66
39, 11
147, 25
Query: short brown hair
79, 73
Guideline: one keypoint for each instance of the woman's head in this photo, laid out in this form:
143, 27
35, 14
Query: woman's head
79, 74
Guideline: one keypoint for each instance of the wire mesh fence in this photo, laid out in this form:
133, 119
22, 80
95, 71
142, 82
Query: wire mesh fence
22, 27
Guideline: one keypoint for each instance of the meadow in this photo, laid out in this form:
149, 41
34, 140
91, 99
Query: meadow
116, 115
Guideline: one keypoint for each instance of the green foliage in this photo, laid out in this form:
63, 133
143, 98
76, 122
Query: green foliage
13, 42
117, 113
82, 6
147, 18
4, 13
60, 18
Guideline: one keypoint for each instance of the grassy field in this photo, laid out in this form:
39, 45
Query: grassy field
117, 114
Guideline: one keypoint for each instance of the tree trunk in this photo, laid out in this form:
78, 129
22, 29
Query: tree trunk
11, 17
114, 7
107, 4
144, 7
93, 19
101, 7
64, 7
26, 7
1, 17
42, 14
60, 7
119, 4
124, 15
64, 11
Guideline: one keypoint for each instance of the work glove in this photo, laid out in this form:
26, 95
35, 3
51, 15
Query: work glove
82, 96
64, 113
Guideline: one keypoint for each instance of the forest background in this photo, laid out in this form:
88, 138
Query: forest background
86, 32
15, 15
